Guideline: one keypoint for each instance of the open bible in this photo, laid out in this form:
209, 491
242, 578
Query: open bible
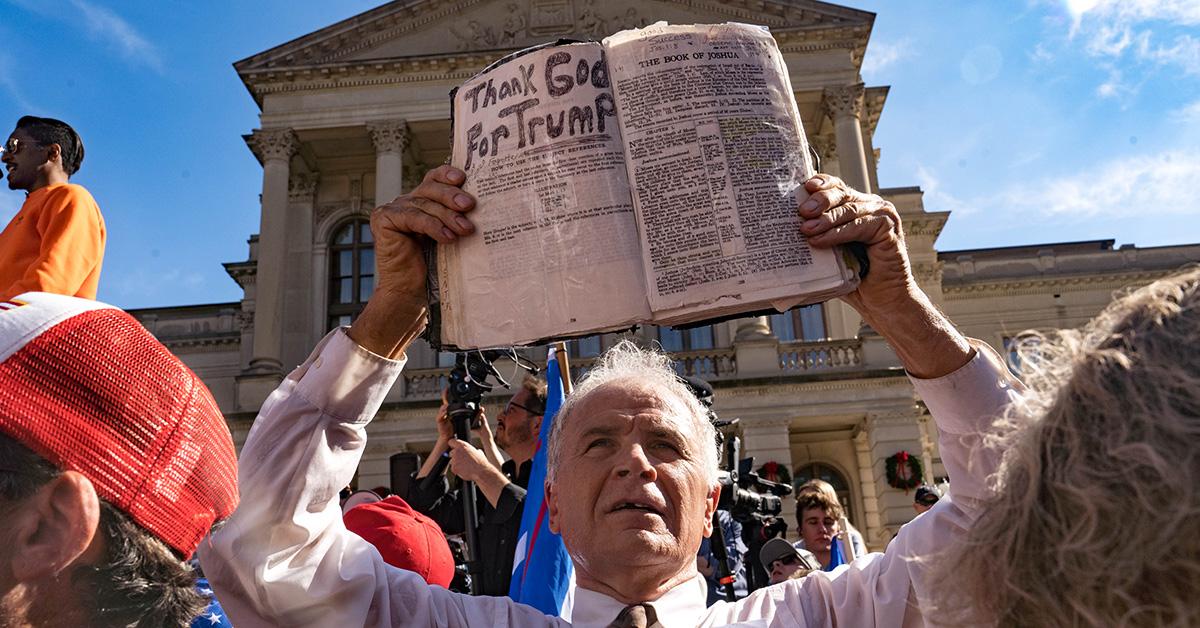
654, 177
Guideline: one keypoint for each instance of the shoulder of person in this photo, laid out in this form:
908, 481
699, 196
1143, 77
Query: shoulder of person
72, 193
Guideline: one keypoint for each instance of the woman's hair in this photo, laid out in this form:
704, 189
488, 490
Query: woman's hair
1095, 515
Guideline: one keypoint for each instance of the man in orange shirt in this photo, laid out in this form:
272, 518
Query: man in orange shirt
56, 242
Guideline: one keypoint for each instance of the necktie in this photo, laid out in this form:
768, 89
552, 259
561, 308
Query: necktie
636, 616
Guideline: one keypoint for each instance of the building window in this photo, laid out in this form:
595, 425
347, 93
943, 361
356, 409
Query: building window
819, 471
805, 323
584, 347
351, 271
695, 339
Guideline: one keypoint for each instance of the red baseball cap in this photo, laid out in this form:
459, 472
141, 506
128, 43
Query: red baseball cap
405, 538
86, 387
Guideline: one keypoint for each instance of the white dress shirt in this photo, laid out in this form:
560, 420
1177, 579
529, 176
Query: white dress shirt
285, 559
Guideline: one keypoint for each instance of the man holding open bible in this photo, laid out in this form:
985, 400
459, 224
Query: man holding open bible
631, 481
631, 468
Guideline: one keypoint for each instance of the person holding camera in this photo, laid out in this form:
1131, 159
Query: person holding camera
501, 494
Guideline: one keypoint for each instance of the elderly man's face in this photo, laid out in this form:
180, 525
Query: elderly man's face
631, 490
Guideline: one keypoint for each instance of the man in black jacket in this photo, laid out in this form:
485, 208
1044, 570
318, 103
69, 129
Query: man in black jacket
501, 490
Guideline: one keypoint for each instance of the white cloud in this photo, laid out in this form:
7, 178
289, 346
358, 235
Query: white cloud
1137, 186
1135, 29
1184, 12
105, 25
1188, 114
936, 198
882, 55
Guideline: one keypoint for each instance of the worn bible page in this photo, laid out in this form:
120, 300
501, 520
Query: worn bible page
717, 159
556, 252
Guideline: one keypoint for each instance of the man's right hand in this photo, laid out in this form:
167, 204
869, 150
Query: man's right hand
395, 313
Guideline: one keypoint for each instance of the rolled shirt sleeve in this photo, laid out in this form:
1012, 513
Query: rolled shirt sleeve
892, 588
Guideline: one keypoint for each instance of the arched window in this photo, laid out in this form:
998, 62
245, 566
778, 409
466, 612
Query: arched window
351, 271
820, 471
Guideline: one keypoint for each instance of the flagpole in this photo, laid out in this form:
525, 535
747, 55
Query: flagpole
564, 365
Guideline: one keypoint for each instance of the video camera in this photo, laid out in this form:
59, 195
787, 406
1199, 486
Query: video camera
743, 493
469, 383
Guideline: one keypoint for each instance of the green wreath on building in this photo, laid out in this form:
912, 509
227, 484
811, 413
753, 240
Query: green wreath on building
775, 472
904, 471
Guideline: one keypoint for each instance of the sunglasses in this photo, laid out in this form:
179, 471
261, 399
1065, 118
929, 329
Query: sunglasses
10, 147
787, 560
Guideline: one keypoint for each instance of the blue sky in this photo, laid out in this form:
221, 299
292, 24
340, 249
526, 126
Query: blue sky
1032, 120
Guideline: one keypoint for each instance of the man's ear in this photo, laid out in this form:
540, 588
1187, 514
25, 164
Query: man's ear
552, 506
54, 154
537, 424
55, 528
710, 506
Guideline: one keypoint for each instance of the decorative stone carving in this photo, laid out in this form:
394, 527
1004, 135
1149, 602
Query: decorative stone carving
245, 320
390, 136
302, 187
844, 100
273, 144
526, 23
825, 146
928, 273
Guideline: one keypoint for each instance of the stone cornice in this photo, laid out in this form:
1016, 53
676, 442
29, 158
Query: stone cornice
967, 289
242, 272
929, 224
320, 60
203, 344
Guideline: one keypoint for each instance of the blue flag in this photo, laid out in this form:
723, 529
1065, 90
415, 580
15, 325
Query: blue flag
836, 556
541, 566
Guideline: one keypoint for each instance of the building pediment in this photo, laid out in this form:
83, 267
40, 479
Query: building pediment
407, 35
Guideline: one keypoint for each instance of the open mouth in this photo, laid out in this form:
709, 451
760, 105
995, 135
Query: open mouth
637, 507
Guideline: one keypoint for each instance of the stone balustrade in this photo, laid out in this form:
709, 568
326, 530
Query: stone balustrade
827, 355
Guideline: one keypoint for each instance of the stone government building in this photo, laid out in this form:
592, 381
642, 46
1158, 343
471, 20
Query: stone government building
356, 112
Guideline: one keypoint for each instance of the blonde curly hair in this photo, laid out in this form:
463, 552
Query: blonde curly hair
1095, 515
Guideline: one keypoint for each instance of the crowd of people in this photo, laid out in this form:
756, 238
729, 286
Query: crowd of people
1073, 502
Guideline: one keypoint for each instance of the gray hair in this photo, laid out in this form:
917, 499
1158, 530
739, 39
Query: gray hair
626, 363
1095, 515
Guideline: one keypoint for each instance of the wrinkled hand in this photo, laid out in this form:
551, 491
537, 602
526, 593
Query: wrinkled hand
396, 312
835, 214
888, 298
467, 462
433, 209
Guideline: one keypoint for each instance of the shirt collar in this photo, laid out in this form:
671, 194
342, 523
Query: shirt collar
681, 606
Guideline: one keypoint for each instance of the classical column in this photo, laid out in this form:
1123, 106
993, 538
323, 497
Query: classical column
844, 105
274, 147
873, 532
756, 349
391, 138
